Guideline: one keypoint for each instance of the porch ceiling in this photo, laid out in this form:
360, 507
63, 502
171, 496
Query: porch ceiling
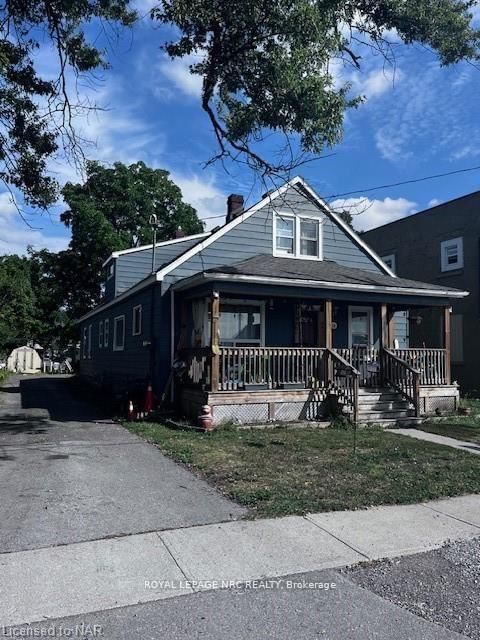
321, 275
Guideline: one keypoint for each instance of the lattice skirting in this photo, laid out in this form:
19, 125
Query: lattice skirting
435, 400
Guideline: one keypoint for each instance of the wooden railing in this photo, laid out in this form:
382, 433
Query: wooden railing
400, 375
270, 368
431, 363
197, 370
342, 380
367, 362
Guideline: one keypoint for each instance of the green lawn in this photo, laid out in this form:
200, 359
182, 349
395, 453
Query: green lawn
284, 471
460, 427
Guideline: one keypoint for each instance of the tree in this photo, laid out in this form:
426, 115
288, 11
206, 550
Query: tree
17, 303
36, 112
111, 211
346, 216
268, 65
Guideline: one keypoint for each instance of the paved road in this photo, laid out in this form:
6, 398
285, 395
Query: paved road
345, 612
65, 478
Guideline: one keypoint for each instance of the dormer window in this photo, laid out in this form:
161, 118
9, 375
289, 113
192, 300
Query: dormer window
110, 270
297, 237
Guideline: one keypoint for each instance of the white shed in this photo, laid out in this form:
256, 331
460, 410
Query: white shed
24, 360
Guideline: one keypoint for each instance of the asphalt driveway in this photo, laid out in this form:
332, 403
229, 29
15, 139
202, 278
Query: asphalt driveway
67, 476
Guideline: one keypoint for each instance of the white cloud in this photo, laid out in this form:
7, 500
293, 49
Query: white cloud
368, 214
177, 71
204, 195
434, 202
376, 82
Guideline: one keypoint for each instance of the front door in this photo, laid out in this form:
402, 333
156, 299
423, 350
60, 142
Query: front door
307, 326
360, 340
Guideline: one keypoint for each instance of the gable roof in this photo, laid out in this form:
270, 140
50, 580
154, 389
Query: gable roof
320, 274
144, 247
297, 183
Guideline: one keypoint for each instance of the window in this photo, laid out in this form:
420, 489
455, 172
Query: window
100, 334
360, 326
119, 333
309, 238
89, 346
241, 323
84, 343
285, 241
110, 270
297, 237
137, 320
106, 332
451, 253
456, 337
390, 261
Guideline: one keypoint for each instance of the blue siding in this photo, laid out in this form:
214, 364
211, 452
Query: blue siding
133, 267
254, 236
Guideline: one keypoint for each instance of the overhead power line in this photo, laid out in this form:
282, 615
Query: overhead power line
384, 186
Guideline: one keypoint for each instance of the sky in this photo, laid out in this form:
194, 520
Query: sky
418, 119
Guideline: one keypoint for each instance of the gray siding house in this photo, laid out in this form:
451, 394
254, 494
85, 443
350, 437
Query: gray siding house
441, 245
267, 318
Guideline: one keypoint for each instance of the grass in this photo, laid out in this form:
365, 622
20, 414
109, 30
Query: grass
283, 471
460, 427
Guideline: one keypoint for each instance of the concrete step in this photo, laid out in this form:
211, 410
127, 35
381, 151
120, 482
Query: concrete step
410, 421
384, 404
382, 415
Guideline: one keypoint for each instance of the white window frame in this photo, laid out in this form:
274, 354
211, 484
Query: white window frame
369, 310
100, 334
106, 332
84, 343
116, 346
297, 220
89, 347
138, 308
249, 303
390, 259
453, 242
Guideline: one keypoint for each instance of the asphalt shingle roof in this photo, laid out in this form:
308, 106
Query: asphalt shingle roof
318, 270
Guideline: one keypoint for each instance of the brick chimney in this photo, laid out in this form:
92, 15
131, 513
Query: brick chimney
179, 233
234, 206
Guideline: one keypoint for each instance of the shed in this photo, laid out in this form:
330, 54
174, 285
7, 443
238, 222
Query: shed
24, 360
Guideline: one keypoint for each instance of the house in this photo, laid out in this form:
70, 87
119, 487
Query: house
441, 245
272, 316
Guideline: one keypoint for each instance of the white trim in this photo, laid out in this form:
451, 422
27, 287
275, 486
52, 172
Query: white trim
89, 347
139, 332
250, 303
458, 243
369, 311
111, 270
391, 257
114, 345
100, 334
320, 284
144, 247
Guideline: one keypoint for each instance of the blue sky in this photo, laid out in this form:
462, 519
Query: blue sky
418, 119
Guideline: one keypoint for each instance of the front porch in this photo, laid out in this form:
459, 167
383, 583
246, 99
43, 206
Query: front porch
360, 356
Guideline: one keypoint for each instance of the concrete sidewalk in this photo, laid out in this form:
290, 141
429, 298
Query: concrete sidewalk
418, 434
104, 574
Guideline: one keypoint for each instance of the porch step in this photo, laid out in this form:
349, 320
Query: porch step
383, 406
371, 416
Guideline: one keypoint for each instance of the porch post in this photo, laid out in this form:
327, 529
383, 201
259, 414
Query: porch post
446, 343
391, 329
214, 342
328, 337
384, 326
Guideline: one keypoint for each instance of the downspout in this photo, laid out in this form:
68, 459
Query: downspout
172, 342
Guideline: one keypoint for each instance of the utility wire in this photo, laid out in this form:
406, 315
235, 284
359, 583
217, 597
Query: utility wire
384, 186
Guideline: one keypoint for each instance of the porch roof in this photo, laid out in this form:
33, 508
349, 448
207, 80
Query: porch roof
322, 274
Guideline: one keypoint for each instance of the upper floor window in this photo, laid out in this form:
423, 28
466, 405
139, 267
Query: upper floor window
137, 320
84, 343
119, 333
297, 237
390, 262
110, 270
89, 345
100, 334
451, 254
